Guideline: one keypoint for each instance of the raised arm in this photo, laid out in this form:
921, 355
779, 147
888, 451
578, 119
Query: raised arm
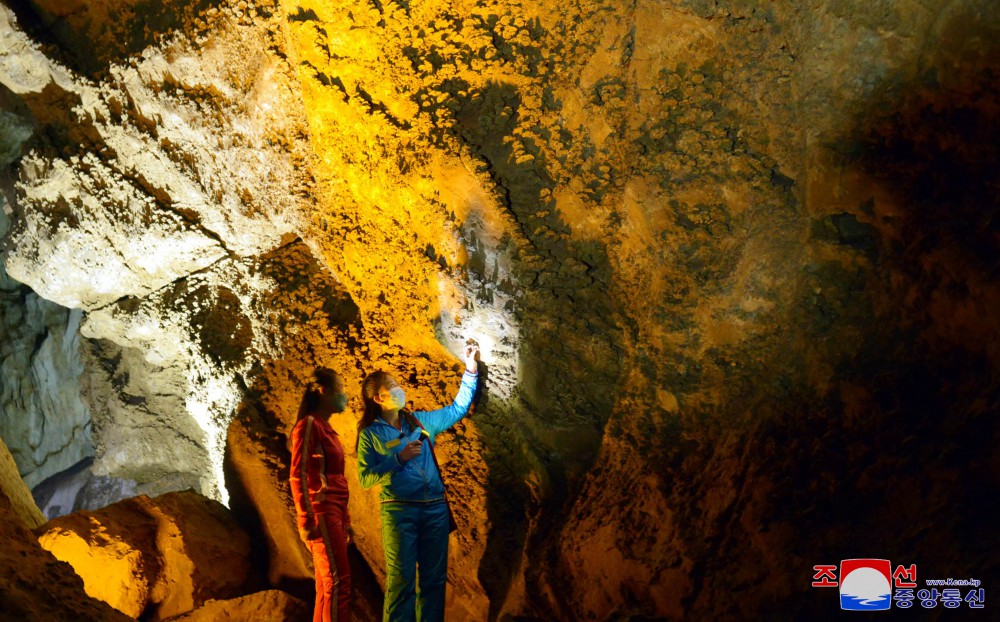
374, 467
437, 421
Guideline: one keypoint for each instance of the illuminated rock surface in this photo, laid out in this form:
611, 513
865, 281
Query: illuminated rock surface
34, 585
153, 557
47, 424
18, 496
733, 266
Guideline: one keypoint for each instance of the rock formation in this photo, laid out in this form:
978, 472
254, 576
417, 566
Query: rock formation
47, 424
34, 585
270, 605
732, 265
154, 558
257, 479
78, 488
16, 492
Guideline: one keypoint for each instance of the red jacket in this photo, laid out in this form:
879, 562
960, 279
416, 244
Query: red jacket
317, 472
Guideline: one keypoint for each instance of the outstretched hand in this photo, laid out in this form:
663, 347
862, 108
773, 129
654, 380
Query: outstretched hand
471, 356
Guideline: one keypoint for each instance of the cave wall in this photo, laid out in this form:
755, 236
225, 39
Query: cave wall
43, 415
42, 418
176, 162
692, 216
732, 265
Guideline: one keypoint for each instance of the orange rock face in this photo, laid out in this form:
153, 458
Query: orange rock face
733, 266
34, 585
17, 494
257, 478
270, 605
153, 557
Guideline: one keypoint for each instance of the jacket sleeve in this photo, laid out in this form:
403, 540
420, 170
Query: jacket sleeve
339, 447
374, 467
302, 476
437, 421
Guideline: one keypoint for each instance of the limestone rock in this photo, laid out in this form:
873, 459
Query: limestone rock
17, 494
140, 200
165, 217
34, 585
257, 478
270, 606
116, 557
153, 557
732, 265
78, 488
45, 423
144, 432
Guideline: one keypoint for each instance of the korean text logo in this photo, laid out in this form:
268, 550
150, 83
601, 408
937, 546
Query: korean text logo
873, 585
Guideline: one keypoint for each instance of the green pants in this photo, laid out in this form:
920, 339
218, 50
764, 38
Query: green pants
415, 539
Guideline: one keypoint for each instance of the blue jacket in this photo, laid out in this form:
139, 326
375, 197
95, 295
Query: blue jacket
418, 479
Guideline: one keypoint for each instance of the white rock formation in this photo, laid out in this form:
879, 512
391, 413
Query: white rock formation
180, 162
42, 418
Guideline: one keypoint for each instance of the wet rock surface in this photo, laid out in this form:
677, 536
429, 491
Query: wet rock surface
732, 264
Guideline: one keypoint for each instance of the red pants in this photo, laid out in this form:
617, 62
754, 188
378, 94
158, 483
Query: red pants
333, 572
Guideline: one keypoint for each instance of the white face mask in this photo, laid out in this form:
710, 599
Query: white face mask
397, 399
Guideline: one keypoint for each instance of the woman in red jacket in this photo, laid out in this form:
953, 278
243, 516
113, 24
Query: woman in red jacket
320, 493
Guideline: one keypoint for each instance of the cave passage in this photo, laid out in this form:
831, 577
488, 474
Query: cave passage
732, 266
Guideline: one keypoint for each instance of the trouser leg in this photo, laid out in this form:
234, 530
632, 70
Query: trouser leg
333, 571
399, 540
432, 562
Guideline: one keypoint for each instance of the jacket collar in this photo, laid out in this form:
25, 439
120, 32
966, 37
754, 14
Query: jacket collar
382, 421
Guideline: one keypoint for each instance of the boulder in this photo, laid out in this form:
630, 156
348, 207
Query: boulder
79, 488
270, 605
34, 585
153, 557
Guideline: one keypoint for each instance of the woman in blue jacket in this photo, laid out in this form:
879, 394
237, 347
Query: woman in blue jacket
395, 449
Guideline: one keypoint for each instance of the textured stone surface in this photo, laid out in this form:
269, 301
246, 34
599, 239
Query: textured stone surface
270, 605
34, 585
257, 479
125, 187
732, 264
42, 417
78, 488
153, 557
45, 422
18, 496
134, 189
